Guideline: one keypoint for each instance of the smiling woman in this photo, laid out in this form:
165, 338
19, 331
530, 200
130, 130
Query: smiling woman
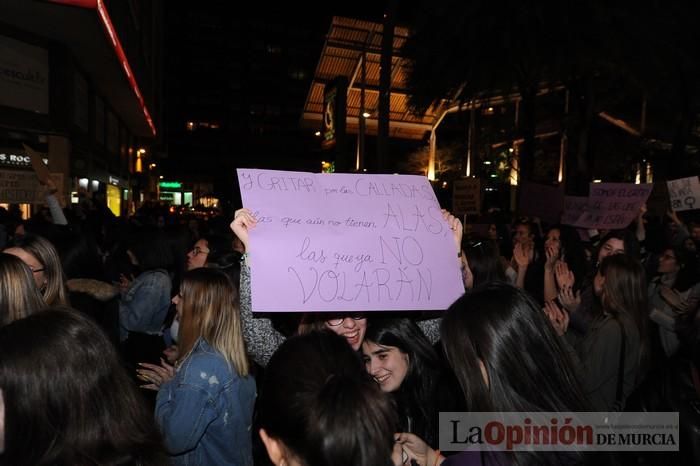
402, 362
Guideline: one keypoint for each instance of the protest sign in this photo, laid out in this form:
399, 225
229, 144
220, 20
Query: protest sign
466, 196
541, 200
613, 205
21, 187
684, 193
41, 170
343, 242
574, 207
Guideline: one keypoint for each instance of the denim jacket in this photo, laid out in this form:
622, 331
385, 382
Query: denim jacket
144, 305
205, 412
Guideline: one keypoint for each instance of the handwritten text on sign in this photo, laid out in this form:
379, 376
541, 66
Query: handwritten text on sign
342, 242
613, 205
21, 186
684, 193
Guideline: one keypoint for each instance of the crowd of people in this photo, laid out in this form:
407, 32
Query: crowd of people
132, 341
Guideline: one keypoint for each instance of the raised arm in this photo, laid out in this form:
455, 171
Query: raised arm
262, 339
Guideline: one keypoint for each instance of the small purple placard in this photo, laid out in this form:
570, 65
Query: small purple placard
346, 242
613, 205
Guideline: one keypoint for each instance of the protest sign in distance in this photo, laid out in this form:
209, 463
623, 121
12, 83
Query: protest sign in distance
613, 205
684, 193
574, 207
466, 196
21, 187
344, 242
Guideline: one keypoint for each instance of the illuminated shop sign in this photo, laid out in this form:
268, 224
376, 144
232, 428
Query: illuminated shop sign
17, 160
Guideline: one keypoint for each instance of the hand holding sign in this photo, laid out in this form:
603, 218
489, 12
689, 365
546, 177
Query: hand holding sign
243, 222
342, 242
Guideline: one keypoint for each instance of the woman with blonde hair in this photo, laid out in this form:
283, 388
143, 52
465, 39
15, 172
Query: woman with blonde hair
19, 297
42, 259
205, 402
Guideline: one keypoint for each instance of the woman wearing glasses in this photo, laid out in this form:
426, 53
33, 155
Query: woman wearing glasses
215, 251
19, 297
43, 260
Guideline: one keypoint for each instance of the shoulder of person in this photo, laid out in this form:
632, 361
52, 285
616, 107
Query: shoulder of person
205, 365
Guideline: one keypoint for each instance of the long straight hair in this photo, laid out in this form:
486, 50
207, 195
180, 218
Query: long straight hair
625, 294
19, 295
210, 310
527, 367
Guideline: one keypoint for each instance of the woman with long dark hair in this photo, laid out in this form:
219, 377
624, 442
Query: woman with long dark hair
67, 399
507, 358
403, 363
482, 264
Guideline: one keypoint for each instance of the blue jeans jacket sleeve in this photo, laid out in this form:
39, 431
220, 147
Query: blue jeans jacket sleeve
144, 306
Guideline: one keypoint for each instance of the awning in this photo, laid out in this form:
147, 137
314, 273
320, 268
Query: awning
347, 40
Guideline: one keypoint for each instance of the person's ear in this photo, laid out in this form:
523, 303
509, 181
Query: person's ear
274, 449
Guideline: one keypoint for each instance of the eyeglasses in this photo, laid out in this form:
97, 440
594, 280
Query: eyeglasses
338, 321
197, 251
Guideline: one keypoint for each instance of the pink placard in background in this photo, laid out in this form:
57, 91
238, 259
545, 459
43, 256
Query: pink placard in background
345, 242
613, 205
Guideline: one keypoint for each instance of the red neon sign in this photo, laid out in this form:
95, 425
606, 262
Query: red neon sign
117, 46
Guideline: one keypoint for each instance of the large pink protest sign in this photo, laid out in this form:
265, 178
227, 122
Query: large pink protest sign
613, 205
343, 242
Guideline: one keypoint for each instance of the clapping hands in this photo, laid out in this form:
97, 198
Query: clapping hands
155, 375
